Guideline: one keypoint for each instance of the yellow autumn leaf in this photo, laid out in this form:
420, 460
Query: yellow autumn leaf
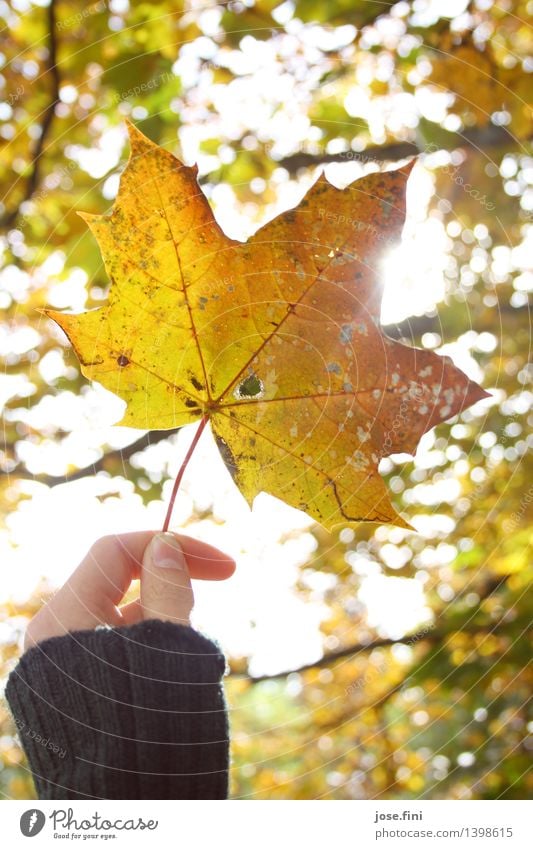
275, 342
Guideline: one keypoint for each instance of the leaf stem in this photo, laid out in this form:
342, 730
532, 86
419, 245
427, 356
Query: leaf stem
181, 472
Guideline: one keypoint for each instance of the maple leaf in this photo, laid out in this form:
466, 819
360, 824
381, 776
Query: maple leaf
276, 341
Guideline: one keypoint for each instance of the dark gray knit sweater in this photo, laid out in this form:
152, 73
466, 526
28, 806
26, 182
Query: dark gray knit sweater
134, 712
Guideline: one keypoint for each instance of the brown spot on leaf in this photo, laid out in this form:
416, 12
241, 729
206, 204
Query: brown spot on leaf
227, 456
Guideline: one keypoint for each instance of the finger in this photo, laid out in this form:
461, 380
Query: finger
92, 593
131, 613
204, 561
114, 561
109, 567
166, 591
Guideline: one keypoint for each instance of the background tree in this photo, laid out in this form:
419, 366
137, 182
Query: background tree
260, 93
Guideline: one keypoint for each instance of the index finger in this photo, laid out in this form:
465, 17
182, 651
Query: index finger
114, 561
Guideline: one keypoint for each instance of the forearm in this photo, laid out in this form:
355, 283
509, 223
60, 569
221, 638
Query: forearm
132, 712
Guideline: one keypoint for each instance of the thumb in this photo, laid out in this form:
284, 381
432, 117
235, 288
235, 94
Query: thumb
166, 591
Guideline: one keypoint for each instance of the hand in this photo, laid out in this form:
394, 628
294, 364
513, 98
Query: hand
164, 563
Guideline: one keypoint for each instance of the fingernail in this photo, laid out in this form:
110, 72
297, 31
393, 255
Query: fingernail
167, 553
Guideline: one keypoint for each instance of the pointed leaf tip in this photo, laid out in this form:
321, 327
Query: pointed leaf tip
408, 167
138, 140
89, 217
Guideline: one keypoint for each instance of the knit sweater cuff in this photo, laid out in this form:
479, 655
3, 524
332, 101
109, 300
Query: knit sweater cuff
132, 712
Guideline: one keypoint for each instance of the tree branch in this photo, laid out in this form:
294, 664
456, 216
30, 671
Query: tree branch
152, 437
49, 112
475, 137
333, 656
432, 637
413, 327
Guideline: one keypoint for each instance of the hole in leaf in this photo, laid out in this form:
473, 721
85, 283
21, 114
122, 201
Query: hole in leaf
251, 387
